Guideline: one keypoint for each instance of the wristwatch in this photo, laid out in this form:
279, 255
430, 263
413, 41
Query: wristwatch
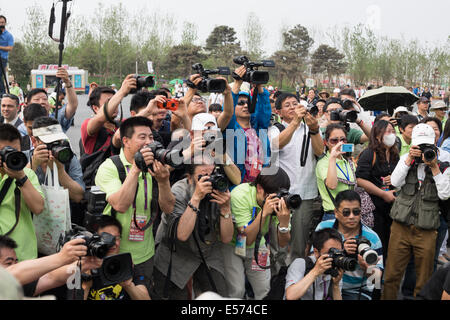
21, 182
283, 229
226, 216
69, 85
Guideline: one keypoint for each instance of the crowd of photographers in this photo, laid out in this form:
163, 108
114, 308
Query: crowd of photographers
256, 194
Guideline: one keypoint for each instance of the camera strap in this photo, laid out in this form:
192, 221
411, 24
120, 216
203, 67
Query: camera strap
108, 117
305, 146
3, 193
208, 271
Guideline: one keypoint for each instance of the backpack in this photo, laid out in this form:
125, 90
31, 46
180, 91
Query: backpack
278, 281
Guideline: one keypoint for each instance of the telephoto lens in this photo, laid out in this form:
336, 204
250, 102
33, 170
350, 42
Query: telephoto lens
293, 201
369, 255
14, 160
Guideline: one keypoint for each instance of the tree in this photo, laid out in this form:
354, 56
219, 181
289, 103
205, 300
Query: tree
253, 36
298, 40
20, 64
223, 45
189, 34
181, 58
328, 59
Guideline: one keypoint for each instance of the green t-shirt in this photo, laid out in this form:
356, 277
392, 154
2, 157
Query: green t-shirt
15, 91
24, 234
405, 147
321, 174
243, 200
107, 179
354, 136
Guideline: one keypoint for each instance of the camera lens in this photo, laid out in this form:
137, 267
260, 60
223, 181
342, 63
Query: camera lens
348, 264
215, 85
64, 155
16, 160
429, 154
293, 201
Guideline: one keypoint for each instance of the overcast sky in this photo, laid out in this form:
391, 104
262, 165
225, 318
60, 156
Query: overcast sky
412, 19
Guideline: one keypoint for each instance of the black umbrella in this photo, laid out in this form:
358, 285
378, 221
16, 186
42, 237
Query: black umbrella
387, 99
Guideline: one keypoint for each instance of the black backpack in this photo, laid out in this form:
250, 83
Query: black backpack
278, 281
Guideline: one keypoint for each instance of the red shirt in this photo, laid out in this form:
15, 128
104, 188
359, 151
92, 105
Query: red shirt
89, 141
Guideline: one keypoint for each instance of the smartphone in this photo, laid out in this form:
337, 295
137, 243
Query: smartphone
347, 147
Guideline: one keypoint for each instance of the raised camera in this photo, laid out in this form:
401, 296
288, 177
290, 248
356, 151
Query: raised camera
15, 160
293, 201
169, 104
143, 82
340, 261
252, 74
207, 84
219, 181
61, 151
429, 152
115, 269
344, 115
165, 156
365, 250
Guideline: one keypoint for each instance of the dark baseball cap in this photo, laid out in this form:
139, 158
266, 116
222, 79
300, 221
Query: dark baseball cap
423, 100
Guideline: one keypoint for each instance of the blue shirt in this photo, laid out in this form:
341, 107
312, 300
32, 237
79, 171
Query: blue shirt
6, 40
63, 121
352, 279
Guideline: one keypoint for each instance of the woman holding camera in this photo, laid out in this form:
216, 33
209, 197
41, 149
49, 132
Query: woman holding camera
373, 173
335, 172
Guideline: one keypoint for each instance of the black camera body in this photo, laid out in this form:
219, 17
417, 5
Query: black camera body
165, 156
344, 115
143, 82
429, 152
365, 250
61, 150
207, 84
115, 269
347, 104
219, 181
312, 109
96, 204
251, 75
293, 201
340, 261
98, 245
14, 159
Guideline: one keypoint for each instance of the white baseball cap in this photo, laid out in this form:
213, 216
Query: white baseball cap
336, 90
200, 121
438, 105
422, 134
50, 134
401, 109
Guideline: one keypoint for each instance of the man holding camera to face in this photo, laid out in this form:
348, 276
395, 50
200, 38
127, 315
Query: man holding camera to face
424, 183
127, 181
20, 194
360, 242
317, 277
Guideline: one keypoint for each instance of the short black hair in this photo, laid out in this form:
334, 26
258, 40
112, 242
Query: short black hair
7, 242
348, 92
318, 238
406, 120
283, 97
94, 98
106, 221
127, 127
321, 100
34, 111
331, 101
34, 92
215, 107
435, 120
331, 127
347, 195
381, 115
163, 91
2, 16
13, 97
43, 122
9, 133
141, 100
272, 183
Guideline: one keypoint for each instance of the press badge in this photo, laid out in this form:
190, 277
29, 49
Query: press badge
136, 234
256, 168
263, 258
241, 241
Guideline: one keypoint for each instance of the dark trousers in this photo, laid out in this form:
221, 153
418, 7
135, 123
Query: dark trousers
382, 226
2, 83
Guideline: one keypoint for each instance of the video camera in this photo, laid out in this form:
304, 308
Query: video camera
207, 84
61, 150
15, 160
98, 245
293, 201
143, 82
165, 156
219, 181
365, 250
251, 75
340, 261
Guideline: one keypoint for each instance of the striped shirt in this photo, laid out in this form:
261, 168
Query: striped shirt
352, 279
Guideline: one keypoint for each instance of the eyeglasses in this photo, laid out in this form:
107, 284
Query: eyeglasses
242, 102
197, 100
346, 212
337, 140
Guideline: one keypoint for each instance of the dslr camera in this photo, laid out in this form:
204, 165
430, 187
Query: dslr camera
251, 75
97, 245
293, 201
312, 109
165, 156
364, 249
15, 160
115, 269
207, 84
345, 116
340, 261
429, 152
61, 150
96, 204
219, 181
143, 82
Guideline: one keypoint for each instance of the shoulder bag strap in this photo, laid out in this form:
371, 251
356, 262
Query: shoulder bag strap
172, 234
208, 272
3, 193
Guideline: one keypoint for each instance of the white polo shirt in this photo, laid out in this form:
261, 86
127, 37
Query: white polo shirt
303, 179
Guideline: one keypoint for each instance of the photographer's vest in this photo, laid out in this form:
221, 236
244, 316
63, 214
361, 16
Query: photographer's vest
417, 204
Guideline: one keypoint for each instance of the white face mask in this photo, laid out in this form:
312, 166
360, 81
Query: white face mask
389, 139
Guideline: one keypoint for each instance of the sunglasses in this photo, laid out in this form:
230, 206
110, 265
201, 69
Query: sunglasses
346, 212
337, 140
242, 102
